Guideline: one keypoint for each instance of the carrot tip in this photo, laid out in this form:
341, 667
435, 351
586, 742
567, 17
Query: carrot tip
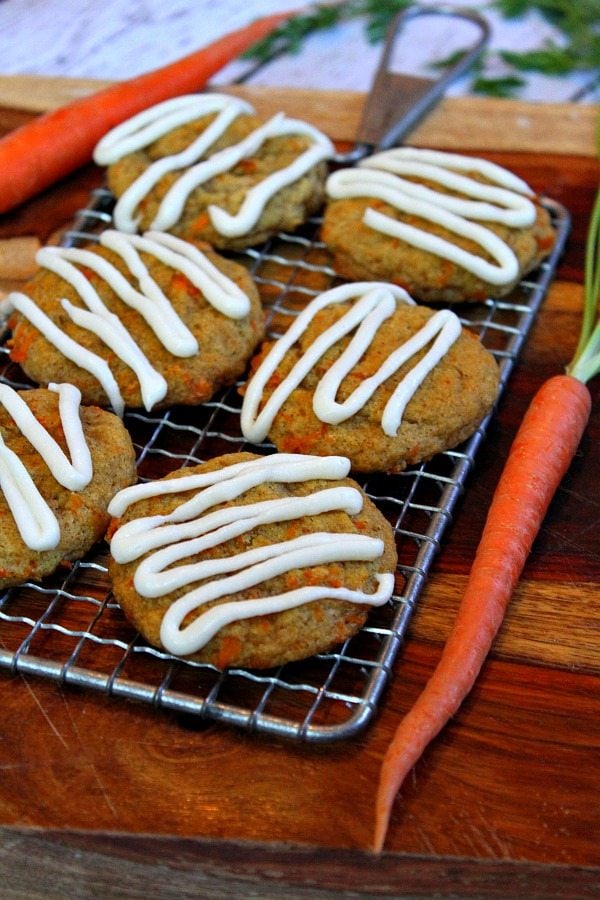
379, 840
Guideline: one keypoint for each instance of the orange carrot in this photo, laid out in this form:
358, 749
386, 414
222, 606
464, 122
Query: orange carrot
539, 457
53, 145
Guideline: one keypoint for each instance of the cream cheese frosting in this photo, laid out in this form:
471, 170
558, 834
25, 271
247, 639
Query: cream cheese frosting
33, 517
195, 525
372, 304
386, 176
146, 298
198, 164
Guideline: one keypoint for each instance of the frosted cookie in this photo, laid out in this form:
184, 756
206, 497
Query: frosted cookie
136, 321
366, 372
250, 561
203, 166
60, 464
446, 227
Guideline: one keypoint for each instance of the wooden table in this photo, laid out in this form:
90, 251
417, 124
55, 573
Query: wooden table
101, 797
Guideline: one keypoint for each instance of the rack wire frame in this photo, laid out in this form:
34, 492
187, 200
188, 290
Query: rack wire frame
69, 629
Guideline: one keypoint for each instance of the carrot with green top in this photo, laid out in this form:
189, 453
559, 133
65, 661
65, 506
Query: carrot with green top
51, 146
539, 457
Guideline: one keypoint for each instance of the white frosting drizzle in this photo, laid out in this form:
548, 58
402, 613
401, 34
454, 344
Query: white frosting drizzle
220, 291
506, 201
156, 121
149, 301
281, 468
325, 548
193, 528
374, 304
145, 128
78, 354
258, 196
99, 320
440, 166
33, 517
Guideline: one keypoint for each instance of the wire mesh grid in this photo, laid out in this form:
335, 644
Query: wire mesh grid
68, 628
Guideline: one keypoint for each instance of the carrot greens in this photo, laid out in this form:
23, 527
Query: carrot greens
586, 362
498, 72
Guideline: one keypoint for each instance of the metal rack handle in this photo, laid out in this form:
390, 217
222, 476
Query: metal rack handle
396, 102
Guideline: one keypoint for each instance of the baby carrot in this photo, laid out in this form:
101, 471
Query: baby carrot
539, 457
53, 145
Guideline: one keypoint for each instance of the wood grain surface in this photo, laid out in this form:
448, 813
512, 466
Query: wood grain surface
460, 122
105, 798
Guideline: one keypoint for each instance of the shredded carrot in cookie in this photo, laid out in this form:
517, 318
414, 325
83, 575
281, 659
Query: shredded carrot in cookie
228, 651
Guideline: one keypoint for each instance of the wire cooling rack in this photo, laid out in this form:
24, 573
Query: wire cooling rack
68, 628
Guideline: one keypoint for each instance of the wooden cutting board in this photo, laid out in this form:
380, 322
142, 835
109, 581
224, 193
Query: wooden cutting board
119, 798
